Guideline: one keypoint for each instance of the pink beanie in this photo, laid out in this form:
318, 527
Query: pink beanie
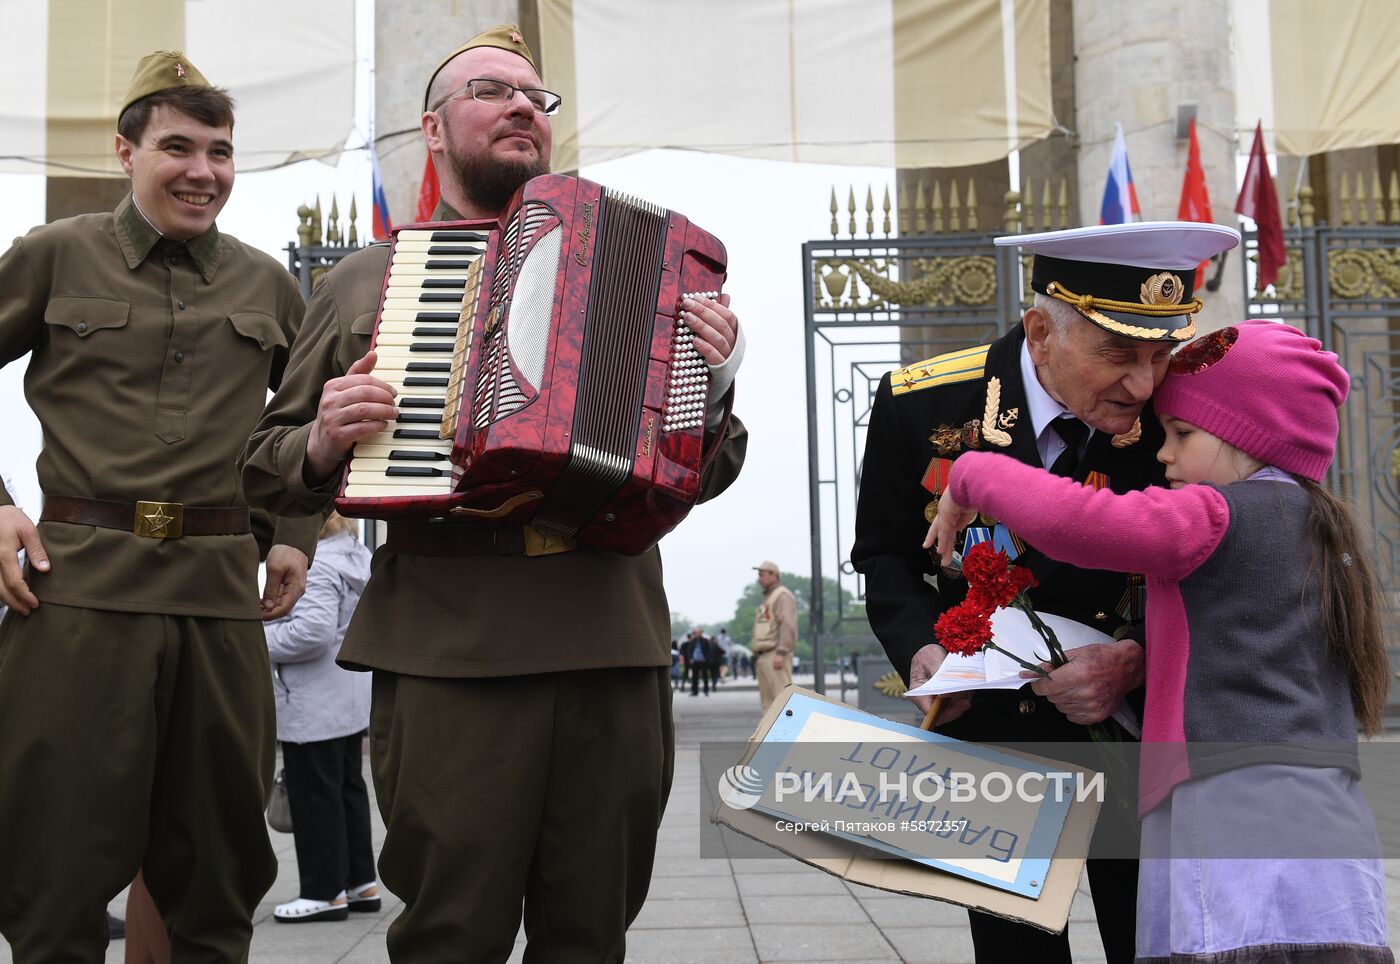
1264, 387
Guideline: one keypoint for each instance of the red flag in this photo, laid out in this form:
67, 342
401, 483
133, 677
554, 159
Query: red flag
1195, 199
428, 192
1259, 201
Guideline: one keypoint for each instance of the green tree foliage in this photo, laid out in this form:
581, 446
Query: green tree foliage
741, 625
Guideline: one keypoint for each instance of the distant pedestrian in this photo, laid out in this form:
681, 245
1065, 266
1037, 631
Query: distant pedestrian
726, 646
774, 634
322, 716
698, 651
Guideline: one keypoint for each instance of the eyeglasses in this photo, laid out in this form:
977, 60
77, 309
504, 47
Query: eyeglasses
498, 93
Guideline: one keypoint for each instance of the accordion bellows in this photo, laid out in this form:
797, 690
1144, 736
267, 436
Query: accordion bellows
543, 371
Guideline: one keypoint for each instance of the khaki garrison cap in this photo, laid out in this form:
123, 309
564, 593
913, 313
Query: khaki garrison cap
768, 566
159, 71
505, 37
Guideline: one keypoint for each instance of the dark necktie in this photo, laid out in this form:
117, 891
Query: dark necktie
1073, 431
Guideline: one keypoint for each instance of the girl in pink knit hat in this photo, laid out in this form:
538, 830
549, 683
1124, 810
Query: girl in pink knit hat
1264, 651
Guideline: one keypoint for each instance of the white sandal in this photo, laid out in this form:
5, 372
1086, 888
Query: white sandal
364, 898
303, 910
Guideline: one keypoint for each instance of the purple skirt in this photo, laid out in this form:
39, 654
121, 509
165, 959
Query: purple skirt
1267, 864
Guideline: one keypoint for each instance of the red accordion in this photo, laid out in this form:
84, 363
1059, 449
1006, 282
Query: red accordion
544, 374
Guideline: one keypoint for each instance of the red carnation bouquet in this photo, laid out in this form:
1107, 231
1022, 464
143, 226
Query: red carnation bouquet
992, 583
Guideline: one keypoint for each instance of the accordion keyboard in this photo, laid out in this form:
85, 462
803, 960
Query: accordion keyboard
426, 314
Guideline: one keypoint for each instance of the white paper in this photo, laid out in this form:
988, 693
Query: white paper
994, 670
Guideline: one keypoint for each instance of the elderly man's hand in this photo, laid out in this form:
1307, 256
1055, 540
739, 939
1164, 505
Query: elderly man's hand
1093, 681
716, 327
921, 669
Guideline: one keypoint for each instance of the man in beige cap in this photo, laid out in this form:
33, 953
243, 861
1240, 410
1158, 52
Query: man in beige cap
136, 714
521, 720
774, 634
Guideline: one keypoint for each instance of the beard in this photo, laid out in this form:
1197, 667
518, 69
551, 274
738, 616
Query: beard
488, 180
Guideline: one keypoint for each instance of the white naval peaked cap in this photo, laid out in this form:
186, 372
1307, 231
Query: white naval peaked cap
1123, 277
1163, 245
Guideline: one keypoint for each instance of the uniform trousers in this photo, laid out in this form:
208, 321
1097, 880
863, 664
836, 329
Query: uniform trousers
330, 815
133, 741
771, 680
541, 793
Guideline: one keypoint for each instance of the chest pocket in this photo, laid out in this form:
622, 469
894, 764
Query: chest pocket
83, 316
262, 330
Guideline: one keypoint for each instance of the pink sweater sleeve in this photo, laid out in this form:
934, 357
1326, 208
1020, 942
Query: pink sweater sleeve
1160, 532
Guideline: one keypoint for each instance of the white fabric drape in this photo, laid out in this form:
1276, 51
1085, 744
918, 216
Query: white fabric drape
906, 83
66, 64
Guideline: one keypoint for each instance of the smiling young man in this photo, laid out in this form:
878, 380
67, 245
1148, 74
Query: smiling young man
1068, 390
136, 714
521, 719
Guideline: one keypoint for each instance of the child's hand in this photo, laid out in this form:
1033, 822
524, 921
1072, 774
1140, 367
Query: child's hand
943, 534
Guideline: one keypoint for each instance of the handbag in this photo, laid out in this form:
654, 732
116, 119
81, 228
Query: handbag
279, 808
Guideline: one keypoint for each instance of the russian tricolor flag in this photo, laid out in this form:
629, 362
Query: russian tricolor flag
382, 225
1120, 203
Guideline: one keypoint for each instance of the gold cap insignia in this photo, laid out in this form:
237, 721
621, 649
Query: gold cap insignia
1162, 289
179, 70
515, 38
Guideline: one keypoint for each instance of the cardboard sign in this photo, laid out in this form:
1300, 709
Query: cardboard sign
1011, 858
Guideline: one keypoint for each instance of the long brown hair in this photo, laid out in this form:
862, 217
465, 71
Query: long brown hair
1351, 611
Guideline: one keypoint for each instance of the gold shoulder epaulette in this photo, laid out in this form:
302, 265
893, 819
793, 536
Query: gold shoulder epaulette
949, 369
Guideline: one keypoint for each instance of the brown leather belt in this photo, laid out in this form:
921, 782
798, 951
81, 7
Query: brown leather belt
155, 520
455, 539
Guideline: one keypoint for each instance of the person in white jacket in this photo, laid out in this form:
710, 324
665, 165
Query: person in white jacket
322, 717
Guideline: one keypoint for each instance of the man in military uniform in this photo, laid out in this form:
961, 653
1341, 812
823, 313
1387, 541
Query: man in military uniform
521, 722
135, 697
1067, 389
774, 634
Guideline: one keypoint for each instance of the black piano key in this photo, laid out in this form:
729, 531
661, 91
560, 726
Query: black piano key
445, 265
444, 282
419, 418
417, 381
449, 296
459, 236
416, 471
419, 433
417, 455
428, 366
441, 346
429, 332
421, 402
458, 249
449, 316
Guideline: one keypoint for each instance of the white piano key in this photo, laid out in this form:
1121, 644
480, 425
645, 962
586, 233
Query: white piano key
372, 490
440, 484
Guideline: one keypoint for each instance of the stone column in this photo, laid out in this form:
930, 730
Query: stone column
1135, 64
410, 38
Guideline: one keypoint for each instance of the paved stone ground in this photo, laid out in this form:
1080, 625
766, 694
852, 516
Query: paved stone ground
701, 909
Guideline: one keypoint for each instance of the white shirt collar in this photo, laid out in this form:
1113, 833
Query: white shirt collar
1043, 410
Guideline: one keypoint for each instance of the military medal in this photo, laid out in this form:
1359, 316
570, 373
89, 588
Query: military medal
948, 439
935, 480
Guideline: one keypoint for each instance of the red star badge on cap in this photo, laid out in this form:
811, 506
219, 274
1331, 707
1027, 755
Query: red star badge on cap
179, 70
515, 38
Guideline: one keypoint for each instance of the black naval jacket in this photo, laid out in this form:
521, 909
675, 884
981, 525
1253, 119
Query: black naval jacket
890, 525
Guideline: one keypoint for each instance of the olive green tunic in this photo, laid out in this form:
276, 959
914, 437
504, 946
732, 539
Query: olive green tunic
136, 701
151, 360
